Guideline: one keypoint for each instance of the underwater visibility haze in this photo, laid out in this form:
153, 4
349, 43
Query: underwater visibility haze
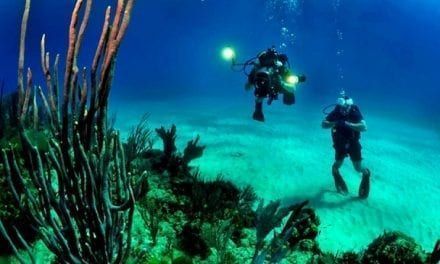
220, 131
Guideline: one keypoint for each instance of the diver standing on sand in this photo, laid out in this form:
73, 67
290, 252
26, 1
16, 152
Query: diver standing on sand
347, 123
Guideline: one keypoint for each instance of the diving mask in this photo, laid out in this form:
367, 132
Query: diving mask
345, 101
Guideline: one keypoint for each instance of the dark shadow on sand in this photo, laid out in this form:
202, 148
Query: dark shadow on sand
319, 201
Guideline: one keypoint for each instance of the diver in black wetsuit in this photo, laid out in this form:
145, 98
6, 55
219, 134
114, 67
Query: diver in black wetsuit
347, 123
271, 76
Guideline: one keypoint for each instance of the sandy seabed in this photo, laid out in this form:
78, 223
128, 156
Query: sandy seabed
289, 157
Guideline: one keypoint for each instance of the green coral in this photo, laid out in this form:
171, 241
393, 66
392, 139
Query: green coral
218, 236
393, 248
349, 258
38, 138
8, 209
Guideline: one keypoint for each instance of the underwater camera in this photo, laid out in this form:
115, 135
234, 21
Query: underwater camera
265, 83
263, 79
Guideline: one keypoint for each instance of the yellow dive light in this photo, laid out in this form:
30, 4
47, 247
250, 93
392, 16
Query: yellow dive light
228, 53
292, 79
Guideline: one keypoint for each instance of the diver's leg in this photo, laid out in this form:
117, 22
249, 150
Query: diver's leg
357, 165
364, 187
356, 158
258, 113
340, 184
337, 164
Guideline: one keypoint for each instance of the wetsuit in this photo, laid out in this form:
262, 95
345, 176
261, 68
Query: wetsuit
345, 139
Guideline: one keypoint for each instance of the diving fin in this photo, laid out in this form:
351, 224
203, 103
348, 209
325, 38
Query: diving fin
258, 113
364, 188
340, 185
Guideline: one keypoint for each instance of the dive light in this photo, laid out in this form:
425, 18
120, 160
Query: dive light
228, 54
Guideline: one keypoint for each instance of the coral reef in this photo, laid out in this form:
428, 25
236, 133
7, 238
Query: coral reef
13, 218
14, 222
197, 221
349, 258
8, 120
268, 218
191, 241
393, 247
215, 200
169, 160
177, 189
217, 236
79, 199
139, 141
435, 255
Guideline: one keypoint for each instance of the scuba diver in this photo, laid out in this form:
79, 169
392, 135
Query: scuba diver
346, 123
270, 75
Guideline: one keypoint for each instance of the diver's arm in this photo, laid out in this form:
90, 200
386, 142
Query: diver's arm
327, 124
359, 127
251, 77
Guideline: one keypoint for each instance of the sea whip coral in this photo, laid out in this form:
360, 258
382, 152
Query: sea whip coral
80, 199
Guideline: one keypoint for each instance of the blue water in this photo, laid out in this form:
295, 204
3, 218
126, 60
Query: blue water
384, 53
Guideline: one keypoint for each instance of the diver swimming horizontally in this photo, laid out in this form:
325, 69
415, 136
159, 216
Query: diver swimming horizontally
270, 75
347, 123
